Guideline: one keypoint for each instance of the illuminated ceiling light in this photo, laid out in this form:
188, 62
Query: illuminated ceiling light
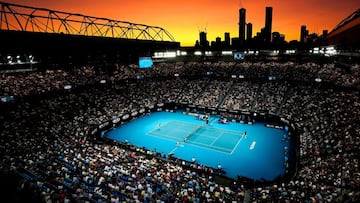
197, 53
208, 53
226, 53
167, 54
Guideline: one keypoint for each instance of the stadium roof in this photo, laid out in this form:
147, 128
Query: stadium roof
354, 15
30, 19
347, 32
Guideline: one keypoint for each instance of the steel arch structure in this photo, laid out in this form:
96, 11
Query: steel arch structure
15, 17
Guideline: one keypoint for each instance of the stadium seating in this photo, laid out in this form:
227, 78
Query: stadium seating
46, 137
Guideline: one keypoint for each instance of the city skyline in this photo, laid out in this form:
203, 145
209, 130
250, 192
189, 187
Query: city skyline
185, 19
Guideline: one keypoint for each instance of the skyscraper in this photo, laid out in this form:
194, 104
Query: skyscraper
303, 33
268, 24
242, 16
227, 39
203, 40
248, 31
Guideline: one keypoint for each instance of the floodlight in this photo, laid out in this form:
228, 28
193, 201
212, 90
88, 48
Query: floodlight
67, 87
318, 80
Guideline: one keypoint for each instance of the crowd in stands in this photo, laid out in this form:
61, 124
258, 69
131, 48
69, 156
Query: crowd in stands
47, 147
20, 84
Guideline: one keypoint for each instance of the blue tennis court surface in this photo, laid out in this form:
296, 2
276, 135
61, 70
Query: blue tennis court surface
260, 154
200, 134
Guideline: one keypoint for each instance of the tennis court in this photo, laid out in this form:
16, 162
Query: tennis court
259, 155
199, 134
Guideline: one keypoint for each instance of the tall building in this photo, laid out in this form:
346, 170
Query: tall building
227, 39
242, 16
203, 40
268, 24
248, 31
303, 33
218, 40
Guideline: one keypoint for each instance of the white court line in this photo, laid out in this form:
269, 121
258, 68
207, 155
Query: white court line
216, 138
209, 147
208, 136
172, 151
237, 144
179, 127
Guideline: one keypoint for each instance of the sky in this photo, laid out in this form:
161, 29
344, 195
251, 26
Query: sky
186, 18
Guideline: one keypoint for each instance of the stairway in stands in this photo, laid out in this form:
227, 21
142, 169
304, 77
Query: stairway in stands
247, 196
228, 91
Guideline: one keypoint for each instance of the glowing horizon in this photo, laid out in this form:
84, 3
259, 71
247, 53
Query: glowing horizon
185, 19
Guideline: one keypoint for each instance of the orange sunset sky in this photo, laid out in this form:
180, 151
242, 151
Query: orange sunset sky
184, 19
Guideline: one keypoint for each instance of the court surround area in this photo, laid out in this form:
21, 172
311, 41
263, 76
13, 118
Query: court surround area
247, 150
